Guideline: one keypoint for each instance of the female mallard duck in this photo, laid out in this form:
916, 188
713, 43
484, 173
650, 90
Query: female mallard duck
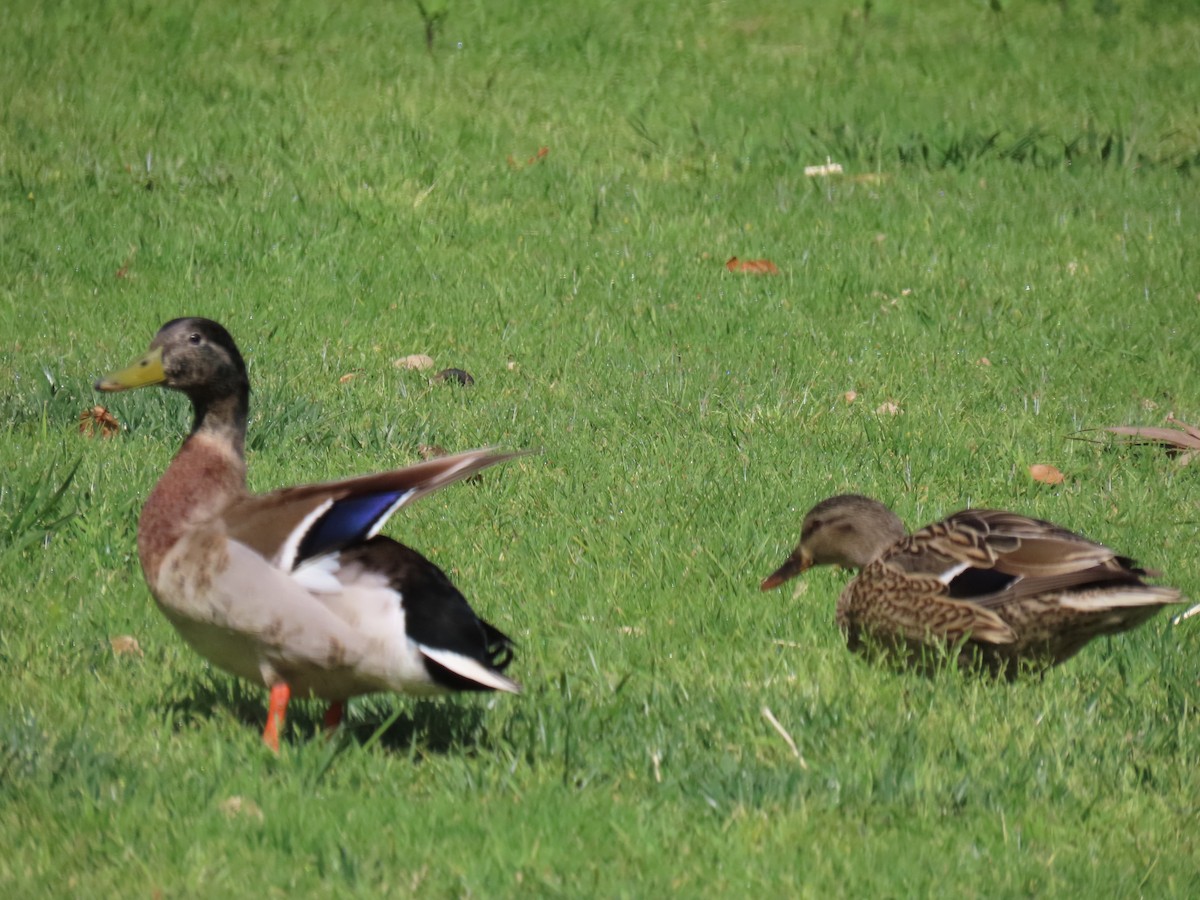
294, 589
994, 587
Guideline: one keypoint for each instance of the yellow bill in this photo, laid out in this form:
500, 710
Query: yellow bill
145, 371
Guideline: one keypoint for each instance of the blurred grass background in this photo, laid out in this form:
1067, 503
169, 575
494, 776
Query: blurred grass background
1017, 188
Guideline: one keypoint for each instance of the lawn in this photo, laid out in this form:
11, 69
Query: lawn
546, 196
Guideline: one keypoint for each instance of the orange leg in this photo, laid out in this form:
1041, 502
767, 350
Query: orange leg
333, 715
276, 713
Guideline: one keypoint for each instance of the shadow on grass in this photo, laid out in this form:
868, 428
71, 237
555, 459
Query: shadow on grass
418, 727
410, 726
194, 700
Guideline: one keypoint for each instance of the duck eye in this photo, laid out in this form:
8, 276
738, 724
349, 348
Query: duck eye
194, 339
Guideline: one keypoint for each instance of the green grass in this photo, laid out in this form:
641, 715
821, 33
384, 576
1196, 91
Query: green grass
340, 197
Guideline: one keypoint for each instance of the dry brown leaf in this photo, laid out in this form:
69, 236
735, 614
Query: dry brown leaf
541, 154
1045, 473
455, 376
123, 272
98, 421
751, 266
125, 645
345, 379
888, 408
431, 451
983, 361
850, 396
414, 361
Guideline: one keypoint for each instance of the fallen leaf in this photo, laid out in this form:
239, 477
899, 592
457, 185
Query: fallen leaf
888, 408
457, 376
414, 361
125, 645
542, 153
431, 451
751, 266
1046, 474
123, 272
98, 421
850, 396
983, 361
348, 377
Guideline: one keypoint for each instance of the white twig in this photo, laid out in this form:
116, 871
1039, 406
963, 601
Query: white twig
1187, 614
770, 717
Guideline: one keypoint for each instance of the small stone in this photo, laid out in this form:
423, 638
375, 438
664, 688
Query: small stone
418, 361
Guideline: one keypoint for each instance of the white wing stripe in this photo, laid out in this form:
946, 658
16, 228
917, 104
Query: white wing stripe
286, 557
382, 520
471, 669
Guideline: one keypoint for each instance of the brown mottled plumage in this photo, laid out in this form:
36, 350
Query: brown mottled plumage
294, 589
1000, 589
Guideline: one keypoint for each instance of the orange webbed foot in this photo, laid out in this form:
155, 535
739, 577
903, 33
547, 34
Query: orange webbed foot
276, 714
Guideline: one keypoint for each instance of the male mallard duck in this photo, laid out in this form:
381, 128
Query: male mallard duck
997, 587
294, 589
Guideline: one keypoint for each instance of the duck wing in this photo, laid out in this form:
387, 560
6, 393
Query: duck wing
294, 524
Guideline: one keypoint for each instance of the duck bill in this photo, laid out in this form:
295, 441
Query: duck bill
145, 371
796, 563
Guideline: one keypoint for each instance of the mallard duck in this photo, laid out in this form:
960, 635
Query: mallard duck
995, 587
296, 590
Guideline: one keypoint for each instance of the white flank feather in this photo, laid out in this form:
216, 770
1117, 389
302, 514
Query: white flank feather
320, 575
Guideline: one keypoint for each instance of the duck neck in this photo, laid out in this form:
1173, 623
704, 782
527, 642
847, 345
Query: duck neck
207, 473
223, 419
